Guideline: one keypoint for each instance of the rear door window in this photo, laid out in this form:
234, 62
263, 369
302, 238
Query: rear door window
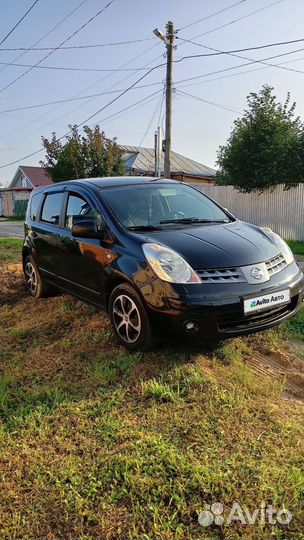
51, 208
35, 203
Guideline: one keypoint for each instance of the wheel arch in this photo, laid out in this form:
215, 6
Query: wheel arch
25, 253
120, 279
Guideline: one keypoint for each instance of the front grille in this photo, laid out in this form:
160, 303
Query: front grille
237, 321
225, 275
235, 275
275, 265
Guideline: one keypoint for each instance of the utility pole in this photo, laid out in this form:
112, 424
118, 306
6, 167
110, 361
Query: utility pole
169, 42
169, 89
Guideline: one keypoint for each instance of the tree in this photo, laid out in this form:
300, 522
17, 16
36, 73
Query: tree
82, 156
264, 148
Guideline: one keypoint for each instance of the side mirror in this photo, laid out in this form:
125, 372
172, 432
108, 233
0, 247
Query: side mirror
86, 229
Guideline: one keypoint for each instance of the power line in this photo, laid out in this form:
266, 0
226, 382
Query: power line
158, 106
140, 102
237, 20
241, 65
209, 102
68, 68
183, 80
92, 85
120, 95
151, 84
212, 15
92, 46
17, 23
146, 99
47, 33
257, 47
160, 110
62, 43
74, 99
218, 51
243, 72
89, 117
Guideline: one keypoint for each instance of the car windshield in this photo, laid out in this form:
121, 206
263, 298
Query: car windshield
155, 206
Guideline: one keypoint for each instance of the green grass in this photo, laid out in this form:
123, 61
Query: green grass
15, 218
296, 246
295, 327
10, 250
98, 443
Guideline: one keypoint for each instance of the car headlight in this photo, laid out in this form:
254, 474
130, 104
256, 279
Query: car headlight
281, 244
169, 265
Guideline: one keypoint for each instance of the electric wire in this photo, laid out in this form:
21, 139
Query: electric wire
67, 100
69, 47
237, 20
18, 22
69, 68
46, 34
90, 116
62, 43
243, 72
217, 52
211, 15
197, 98
232, 53
108, 88
262, 60
147, 99
255, 48
151, 120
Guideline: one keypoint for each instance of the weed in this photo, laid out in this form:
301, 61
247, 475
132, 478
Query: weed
10, 250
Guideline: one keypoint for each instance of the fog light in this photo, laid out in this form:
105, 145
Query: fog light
191, 326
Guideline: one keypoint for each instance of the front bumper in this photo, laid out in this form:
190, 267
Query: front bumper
218, 311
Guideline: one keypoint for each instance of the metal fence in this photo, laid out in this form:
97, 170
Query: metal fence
282, 211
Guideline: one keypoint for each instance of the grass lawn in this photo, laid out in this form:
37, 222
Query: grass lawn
296, 246
10, 250
98, 443
15, 218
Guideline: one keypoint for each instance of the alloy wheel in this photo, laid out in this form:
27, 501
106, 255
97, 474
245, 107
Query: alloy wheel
31, 277
126, 318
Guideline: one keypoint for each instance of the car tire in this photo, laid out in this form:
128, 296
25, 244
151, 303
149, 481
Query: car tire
129, 319
33, 281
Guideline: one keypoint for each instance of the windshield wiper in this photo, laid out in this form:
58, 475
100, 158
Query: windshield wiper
144, 228
187, 220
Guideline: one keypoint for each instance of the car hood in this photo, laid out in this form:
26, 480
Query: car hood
219, 245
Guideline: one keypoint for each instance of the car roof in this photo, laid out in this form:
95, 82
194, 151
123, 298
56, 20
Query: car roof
108, 181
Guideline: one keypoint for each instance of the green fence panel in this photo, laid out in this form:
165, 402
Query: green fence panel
20, 207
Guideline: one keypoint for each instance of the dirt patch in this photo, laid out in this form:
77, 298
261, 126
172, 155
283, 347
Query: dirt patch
281, 366
11, 283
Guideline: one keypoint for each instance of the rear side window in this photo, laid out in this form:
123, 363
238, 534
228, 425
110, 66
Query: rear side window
51, 208
35, 203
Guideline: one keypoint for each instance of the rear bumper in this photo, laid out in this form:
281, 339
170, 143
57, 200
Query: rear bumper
222, 318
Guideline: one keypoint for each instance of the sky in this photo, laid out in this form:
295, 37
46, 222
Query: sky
199, 127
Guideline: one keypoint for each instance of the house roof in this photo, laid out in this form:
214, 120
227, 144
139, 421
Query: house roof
142, 161
36, 175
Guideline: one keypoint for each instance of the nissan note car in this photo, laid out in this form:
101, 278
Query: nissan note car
161, 258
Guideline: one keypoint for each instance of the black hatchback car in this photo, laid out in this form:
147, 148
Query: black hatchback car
161, 258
